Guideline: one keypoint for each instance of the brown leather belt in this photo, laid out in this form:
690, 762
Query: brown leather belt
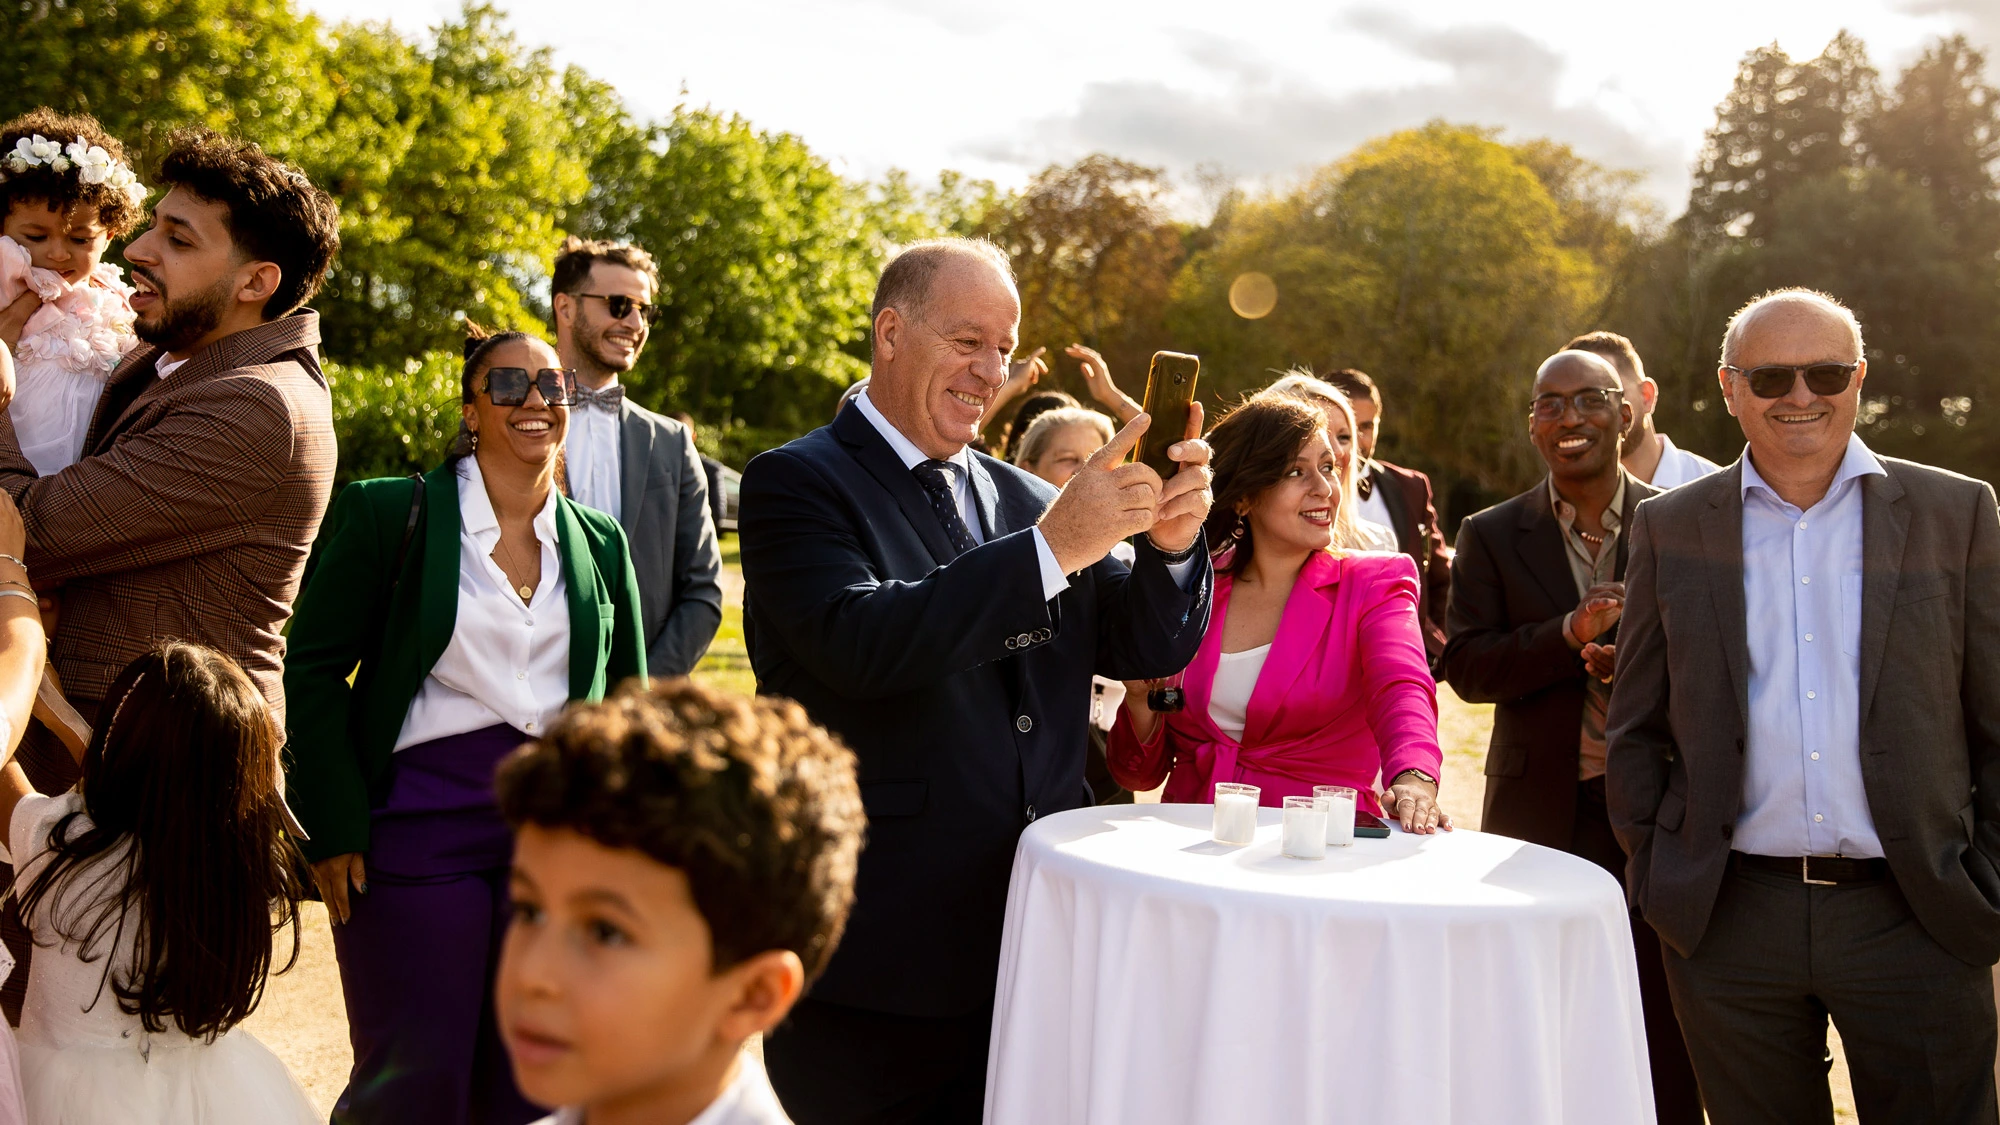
1819, 870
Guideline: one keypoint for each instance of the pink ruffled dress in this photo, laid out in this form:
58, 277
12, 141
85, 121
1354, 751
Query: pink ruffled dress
66, 352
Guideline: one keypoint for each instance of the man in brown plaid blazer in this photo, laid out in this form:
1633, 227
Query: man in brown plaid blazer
209, 461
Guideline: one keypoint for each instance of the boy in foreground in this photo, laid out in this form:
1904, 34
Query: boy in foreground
683, 865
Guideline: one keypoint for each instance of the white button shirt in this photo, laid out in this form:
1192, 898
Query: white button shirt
591, 458
1677, 466
508, 662
1802, 787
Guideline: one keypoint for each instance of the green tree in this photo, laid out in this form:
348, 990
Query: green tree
1094, 252
1433, 258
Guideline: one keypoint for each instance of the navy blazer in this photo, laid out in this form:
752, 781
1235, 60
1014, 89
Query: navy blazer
963, 693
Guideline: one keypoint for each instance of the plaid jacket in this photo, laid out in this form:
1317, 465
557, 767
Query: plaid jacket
191, 511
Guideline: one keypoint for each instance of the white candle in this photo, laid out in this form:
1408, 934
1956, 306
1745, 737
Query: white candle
1235, 813
1340, 819
1305, 828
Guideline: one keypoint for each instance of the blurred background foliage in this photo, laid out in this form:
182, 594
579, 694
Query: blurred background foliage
1446, 260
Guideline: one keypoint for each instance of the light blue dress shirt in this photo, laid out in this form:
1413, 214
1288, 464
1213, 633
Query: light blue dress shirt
1802, 790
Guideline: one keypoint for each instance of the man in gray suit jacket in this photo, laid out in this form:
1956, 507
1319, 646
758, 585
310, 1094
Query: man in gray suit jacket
626, 460
1805, 747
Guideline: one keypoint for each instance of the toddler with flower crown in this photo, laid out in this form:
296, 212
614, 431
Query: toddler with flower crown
65, 193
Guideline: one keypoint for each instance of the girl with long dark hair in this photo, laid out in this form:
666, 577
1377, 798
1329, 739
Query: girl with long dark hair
152, 890
445, 622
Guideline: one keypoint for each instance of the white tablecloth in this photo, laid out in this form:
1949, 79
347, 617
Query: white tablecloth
1151, 976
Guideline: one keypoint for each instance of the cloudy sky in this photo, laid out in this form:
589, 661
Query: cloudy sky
1258, 89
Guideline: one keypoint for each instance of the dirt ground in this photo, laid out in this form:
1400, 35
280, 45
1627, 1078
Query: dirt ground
303, 1020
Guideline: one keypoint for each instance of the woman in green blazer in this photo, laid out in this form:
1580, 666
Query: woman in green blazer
406, 685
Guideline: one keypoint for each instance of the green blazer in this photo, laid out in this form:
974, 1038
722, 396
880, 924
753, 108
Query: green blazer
340, 737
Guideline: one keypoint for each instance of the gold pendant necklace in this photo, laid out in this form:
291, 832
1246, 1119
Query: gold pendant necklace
526, 591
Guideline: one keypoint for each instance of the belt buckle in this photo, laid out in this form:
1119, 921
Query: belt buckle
1805, 874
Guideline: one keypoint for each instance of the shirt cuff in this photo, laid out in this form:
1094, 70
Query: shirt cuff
1180, 572
1054, 581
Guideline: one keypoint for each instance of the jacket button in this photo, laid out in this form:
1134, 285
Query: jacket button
1031, 814
1024, 724
1023, 641
1012, 644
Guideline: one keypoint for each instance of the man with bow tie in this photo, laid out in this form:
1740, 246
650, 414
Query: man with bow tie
625, 460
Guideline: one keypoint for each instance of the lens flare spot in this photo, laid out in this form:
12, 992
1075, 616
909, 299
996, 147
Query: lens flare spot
1252, 296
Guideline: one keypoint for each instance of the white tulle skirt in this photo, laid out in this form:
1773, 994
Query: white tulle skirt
234, 1081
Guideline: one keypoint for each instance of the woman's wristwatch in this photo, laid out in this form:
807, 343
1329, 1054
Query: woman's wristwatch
1420, 776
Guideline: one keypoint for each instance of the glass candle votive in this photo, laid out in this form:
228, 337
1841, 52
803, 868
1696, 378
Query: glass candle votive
1339, 813
1305, 827
1236, 812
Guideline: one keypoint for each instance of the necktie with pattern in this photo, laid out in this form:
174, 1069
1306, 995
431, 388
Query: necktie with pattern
935, 477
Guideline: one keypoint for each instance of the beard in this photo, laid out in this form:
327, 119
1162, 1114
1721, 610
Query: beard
183, 320
597, 352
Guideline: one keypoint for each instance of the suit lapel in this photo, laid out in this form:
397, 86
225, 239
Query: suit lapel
437, 603
1540, 546
635, 460
986, 498
582, 585
1398, 503
1722, 553
1301, 631
868, 447
1885, 531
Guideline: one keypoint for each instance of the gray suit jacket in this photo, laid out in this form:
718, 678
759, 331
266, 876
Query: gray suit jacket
1930, 699
664, 494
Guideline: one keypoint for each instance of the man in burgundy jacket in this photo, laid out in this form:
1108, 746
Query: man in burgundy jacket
1400, 499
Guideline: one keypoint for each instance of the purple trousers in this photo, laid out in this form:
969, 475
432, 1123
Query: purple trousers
418, 953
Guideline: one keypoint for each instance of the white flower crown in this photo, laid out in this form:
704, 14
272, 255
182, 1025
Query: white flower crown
93, 164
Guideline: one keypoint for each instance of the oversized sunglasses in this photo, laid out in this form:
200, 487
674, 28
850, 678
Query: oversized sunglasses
508, 386
1774, 380
620, 306
1593, 400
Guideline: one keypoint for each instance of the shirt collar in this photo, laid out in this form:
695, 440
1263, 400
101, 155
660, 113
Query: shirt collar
905, 448
166, 367
475, 508
1859, 461
1611, 519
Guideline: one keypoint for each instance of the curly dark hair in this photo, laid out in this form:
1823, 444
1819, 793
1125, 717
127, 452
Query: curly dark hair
275, 212
64, 191
758, 807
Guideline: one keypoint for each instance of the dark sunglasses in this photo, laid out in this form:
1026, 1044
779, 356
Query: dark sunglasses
1774, 380
508, 386
1594, 400
621, 306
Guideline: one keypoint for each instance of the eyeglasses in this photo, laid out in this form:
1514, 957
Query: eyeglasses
1591, 400
1775, 380
621, 306
508, 386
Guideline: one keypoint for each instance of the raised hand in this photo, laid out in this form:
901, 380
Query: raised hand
1097, 375
1185, 499
1105, 502
1602, 606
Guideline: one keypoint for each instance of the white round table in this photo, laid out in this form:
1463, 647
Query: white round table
1150, 975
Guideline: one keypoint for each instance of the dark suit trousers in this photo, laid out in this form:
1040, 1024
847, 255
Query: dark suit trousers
1779, 957
835, 1065
1676, 1098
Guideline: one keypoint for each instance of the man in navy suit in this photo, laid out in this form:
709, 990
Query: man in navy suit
942, 612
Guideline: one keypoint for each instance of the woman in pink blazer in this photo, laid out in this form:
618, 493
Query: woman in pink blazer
1313, 671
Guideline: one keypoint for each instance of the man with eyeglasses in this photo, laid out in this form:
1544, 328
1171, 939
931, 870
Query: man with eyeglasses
625, 460
1537, 588
1650, 455
1805, 746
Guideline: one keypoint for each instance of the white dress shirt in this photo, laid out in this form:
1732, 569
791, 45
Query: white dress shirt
1802, 789
164, 367
1375, 509
749, 1100
508, 661
591, 458
1677, 466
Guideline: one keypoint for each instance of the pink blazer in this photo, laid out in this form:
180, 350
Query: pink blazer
1344, 698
